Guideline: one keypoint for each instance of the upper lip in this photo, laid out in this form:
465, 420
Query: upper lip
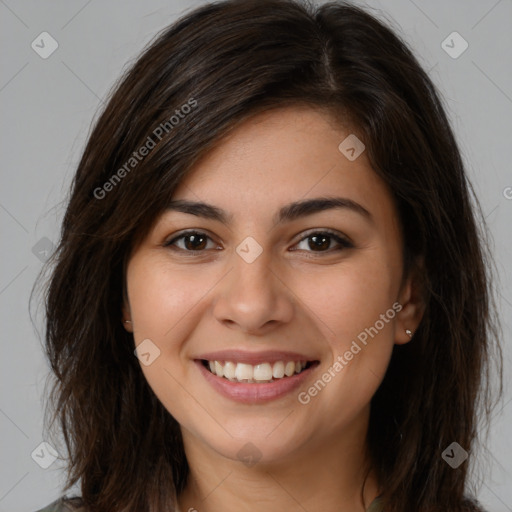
243, 356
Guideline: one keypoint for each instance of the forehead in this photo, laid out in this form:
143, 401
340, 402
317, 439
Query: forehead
280, 156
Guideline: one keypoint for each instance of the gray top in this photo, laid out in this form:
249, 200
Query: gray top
61, 505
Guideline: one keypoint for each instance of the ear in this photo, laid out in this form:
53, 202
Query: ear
412, 299
126, 314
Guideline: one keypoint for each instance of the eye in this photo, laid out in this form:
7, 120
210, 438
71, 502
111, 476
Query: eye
317, 241
320, 241
193, 241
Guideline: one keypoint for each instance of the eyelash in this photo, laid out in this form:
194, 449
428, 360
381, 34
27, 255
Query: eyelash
344, 243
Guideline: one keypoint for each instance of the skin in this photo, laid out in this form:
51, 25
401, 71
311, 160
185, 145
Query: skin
311, 301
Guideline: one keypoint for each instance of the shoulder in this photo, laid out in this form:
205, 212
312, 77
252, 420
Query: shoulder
468, 505
64, 504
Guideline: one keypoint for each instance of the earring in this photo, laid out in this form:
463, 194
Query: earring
408, 332
127, 322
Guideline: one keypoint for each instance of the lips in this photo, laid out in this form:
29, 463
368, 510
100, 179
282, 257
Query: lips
251, 377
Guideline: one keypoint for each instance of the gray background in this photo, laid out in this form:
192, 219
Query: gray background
47, 107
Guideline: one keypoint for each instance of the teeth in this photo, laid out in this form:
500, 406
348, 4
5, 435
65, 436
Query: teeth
289, 369
242, 372
230, 370
263, 372
219, 370
278, 370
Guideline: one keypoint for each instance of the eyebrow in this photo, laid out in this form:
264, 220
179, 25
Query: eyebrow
288, 213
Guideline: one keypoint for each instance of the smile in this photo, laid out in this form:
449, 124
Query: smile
258, 373
256, 377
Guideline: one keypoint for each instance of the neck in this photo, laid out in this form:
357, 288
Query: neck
332, 475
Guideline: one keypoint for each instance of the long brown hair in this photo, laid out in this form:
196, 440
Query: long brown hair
228, 61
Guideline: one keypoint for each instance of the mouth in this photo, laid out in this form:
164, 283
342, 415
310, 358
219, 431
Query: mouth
252, 378
262, 373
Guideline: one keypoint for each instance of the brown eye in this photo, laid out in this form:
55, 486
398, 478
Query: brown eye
195, 242
321, 241
190, 241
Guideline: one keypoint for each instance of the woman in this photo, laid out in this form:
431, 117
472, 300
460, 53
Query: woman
271, 291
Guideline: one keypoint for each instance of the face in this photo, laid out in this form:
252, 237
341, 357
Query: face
269, 315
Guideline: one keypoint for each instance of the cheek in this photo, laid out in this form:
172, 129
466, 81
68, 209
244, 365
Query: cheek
348, 298
352, 304
164, 305
161, 298
166, 380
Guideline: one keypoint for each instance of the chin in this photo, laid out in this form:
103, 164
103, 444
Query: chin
254, 443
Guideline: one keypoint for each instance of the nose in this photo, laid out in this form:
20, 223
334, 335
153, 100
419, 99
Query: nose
253, 297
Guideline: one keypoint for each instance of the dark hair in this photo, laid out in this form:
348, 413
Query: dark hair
228, 61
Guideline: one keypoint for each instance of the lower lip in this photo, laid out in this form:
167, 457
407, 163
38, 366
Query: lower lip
250, 393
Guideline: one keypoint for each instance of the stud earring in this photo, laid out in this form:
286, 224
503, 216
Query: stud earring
408, 332
127, 322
